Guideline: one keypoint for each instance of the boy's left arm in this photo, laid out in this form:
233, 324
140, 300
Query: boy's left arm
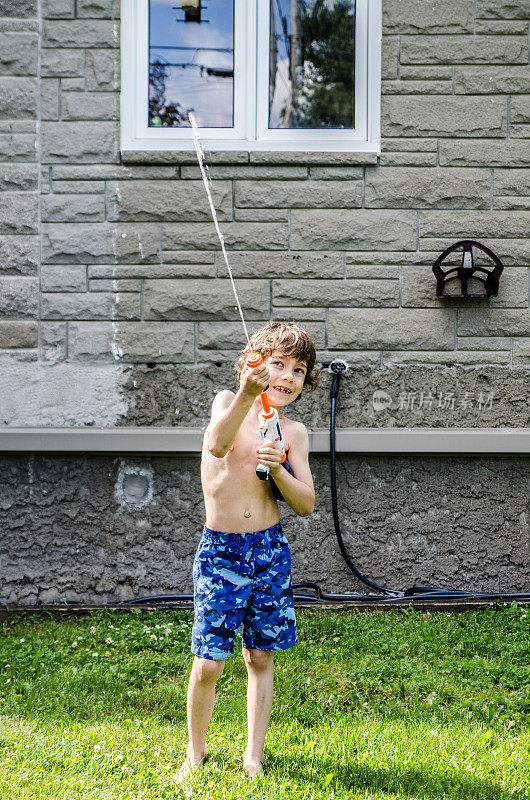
298, 492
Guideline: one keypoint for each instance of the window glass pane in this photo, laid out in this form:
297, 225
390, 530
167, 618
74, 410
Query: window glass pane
311, 64
191, 63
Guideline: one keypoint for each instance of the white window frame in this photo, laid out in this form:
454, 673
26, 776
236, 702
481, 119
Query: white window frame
251, 101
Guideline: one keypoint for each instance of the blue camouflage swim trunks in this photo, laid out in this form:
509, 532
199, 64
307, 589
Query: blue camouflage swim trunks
242, 578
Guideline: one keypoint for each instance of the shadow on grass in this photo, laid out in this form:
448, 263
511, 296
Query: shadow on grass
409, 782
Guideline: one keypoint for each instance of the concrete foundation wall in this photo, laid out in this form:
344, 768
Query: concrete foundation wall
101, 529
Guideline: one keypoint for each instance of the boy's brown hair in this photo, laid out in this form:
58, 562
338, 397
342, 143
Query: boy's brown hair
291, 340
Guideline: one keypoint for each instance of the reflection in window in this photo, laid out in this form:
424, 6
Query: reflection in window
311, 66
191, 63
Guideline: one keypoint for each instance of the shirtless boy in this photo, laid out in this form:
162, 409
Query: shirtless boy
242, 568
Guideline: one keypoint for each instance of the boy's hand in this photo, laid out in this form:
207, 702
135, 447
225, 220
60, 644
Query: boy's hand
255, 381
270, 454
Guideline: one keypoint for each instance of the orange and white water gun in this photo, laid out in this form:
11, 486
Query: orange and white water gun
269, 421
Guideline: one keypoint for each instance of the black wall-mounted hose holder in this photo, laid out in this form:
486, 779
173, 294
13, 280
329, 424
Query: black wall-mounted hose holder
485, 275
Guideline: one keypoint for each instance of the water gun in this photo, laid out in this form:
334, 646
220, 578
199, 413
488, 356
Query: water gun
269, 421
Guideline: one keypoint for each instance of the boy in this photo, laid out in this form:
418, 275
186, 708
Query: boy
242, 566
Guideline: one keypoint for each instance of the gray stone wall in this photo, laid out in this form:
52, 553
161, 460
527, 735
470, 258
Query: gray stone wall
115, 308
101, 529
108, 262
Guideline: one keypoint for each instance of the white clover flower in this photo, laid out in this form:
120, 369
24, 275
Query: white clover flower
95, 655
92, 629
97, 747
22, 640
74, 644
108, 640
7, 666
153, 636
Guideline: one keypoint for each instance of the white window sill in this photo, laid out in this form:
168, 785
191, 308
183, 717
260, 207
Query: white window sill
338, 158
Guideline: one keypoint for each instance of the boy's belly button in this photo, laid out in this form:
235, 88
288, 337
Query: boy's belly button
246, 513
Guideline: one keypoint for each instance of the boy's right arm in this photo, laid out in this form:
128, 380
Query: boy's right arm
229, 410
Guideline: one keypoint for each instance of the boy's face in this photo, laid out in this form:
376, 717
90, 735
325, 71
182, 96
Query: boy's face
287, 378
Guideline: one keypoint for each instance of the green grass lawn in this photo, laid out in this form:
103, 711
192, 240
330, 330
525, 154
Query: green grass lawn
397, 704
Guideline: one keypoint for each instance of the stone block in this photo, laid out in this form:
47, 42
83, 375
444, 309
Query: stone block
75, 187
102, 71
336, 173
19, 255
492, 322
90, 305
407, 159
111, 172
443, 116
53, 338
18, 98
413, 16
520, 109
228, 335
77, 208
76, 244
189, 257
417, 87
131, 342
62, 63
81, 33
116, 272
18, 53
387, 329
205, 299
18, 177
511, 182
502, 26
376, 271
297, 266
387, 187
503, 9
18, 146
58, 9
115, 285
521, 351
474, 225
511, 202
244, 172
298, 194
359, 229
367, 257
419, 290
520, 131
106, 9
409, 145
463, 50
389, 57
261, 215
63, 278
293, 314
422, 72
21, 9
483, 343
187, 157
90, 105
237, 236
138, 243
131, 201
18, 213
72, 85
49, 98
484, 153
339, 293
492, 80
449, 358
19, 297
82, 142
14, 335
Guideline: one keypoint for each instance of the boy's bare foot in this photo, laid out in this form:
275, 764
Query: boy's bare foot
252, 768
188, 768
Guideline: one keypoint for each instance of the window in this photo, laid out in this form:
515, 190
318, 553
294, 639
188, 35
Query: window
257, 74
